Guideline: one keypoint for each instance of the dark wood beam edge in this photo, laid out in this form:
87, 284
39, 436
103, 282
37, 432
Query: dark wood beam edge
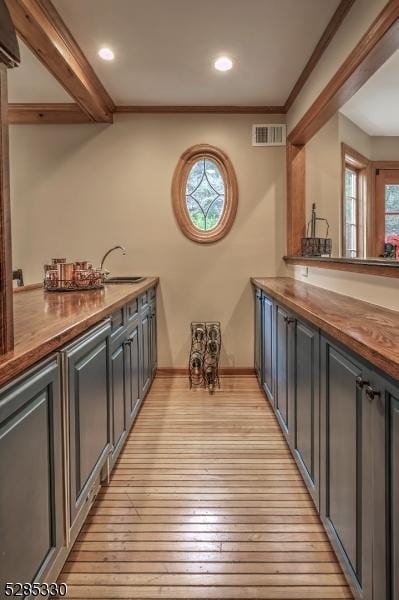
45, 33
6, 294
64, 113
33, 114
327, 35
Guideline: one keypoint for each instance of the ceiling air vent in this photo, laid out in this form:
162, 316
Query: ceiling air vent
268, 135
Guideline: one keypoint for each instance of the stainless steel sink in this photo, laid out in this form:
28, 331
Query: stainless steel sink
124, 279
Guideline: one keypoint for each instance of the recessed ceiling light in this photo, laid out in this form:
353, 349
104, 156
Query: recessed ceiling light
106, 54
224, 63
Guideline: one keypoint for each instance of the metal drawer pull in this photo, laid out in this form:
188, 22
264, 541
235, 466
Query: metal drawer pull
289, 320
360, 382
371, 392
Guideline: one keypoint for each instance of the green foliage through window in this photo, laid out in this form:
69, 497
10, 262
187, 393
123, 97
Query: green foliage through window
205, 194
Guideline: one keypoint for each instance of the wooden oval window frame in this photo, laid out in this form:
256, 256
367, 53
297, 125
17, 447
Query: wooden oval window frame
179, 183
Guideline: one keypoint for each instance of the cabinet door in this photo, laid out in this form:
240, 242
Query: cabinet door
267, 348
383, 398
345, 459
284, 374
393, 523
258, 334
119, 394
89, 412
306, 405
153, 337
145, 351
133, 371
31, 490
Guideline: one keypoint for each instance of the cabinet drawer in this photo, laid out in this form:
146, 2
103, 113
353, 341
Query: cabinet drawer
132, 309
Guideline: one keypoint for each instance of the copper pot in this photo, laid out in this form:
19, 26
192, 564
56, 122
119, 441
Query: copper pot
81, 264
65, 271
83, 277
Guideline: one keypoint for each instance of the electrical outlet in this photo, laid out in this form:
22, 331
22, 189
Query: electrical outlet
304, 271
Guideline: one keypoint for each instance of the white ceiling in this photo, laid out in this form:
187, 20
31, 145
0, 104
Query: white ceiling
164, 49
31, 82
375, 107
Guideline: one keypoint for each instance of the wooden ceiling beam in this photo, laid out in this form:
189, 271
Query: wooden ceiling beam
42, 29
58, 113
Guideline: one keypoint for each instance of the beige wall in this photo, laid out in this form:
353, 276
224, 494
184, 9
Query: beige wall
385, 148
323, 179
355, 25
378, 290
324, 165
79, 189
351, 135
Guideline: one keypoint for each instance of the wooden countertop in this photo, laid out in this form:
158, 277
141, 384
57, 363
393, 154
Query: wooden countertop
46, 321
369, 330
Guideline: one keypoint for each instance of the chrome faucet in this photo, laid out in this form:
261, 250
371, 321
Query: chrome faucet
109, 252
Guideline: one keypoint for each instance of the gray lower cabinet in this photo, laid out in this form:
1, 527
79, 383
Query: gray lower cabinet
283, 366
392, 521
88, 396
134, 395
59, 428
346, 450
31, 492
145, 350
341, 421
153, 336
382, 397
305, 404
119, 393
258, 335
267, 346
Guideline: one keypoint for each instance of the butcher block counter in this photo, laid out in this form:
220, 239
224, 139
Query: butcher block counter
45, 321
367, 329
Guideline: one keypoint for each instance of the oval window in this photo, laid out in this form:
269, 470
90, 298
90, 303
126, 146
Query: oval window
204, 193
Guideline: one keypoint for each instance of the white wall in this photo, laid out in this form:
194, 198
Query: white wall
79, 189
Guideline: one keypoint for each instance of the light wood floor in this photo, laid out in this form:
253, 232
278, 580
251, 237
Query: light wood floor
205, 502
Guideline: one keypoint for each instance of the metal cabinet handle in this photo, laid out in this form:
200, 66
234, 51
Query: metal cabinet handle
360, 382
371, 392
289, 320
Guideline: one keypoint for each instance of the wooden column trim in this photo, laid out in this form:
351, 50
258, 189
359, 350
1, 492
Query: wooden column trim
45, 33
6, 293
296, 212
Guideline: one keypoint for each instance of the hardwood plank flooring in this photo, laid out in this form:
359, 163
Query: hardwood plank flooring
205, 502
